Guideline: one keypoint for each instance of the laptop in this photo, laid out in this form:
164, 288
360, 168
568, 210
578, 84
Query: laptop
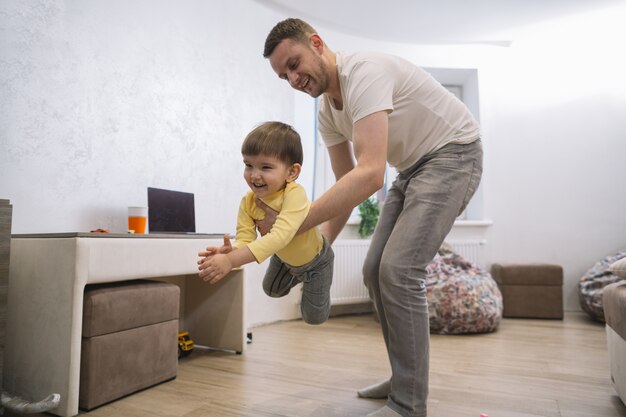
171, 211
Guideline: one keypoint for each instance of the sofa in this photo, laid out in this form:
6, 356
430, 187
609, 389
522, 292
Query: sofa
614, 300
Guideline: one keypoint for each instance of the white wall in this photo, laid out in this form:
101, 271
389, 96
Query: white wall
553, 115
558, 140
102, 99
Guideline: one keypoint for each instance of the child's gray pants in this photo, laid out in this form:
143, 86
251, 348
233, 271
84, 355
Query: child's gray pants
316, 278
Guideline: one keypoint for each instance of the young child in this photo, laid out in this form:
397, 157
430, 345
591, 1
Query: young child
272, 155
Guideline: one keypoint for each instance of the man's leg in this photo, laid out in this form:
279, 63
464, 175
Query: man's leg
391, 209
435, 192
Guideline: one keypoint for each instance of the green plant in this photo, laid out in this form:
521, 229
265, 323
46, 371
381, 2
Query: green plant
369, 211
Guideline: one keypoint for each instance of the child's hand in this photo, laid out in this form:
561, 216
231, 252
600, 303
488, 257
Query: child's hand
213, 250
214, 268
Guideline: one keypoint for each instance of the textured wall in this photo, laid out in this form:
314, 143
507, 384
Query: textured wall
103, 99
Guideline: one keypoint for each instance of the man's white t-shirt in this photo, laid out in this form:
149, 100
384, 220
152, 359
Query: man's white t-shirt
423, 115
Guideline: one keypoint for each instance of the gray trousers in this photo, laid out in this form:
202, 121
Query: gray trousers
316, 278
419, 211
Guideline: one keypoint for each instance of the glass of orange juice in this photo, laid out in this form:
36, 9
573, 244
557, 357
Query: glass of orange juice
137, 218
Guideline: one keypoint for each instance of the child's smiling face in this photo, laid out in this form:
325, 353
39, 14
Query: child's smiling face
266, 174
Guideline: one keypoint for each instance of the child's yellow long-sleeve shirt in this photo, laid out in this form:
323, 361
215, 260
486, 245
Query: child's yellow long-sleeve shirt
292, 206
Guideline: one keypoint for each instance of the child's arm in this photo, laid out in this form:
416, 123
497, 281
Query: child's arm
217, 262
214, 268
214, 250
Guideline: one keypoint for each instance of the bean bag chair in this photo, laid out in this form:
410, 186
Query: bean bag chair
462, 298
592, 283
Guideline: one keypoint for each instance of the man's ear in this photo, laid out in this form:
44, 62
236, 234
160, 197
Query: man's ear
294, 172
316, 43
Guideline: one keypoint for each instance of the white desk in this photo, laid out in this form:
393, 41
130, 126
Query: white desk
47, 277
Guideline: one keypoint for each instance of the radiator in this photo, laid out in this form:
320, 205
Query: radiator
348, 287
472, 250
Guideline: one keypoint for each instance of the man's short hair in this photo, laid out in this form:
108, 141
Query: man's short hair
276, 139
292, 28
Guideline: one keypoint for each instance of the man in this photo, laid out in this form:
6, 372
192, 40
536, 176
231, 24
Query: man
374, 109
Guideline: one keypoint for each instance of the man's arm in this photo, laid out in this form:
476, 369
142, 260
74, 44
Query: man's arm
354, 183
294, 209
342, 161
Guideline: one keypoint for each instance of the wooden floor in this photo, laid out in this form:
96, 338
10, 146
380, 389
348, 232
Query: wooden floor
547, 368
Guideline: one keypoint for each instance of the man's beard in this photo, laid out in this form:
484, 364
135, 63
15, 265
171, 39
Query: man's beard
321, 79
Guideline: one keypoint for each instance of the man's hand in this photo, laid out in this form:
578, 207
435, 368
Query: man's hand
214, 268
214, 250
267, 223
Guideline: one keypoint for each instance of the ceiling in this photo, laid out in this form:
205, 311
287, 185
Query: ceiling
434, 21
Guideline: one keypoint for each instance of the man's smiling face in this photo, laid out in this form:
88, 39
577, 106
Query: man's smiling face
301, 66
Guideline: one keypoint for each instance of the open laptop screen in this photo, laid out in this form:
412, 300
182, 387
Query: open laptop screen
170, 211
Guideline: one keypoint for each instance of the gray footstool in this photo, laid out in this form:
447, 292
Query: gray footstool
129, 339
530, 290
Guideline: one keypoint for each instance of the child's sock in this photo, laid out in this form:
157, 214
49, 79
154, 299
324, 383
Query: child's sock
378, 391
384, 412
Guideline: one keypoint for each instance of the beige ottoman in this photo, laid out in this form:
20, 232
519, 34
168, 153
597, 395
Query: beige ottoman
129, 339
530, 290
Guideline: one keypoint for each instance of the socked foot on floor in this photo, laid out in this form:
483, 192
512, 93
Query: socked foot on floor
380, 390
384, 412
